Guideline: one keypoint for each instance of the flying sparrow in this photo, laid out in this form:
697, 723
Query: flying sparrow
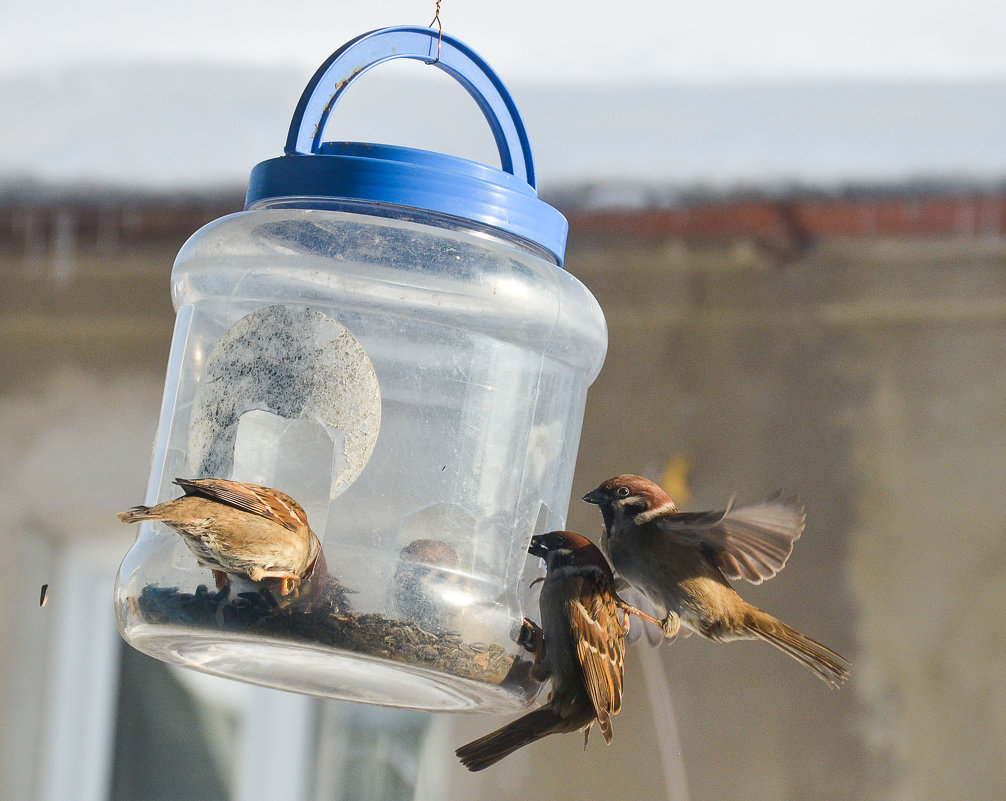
579, 646
680, 561
239, 528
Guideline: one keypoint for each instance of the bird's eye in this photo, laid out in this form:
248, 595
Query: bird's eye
622, 492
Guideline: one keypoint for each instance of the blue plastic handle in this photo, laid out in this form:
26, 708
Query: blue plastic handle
354, 58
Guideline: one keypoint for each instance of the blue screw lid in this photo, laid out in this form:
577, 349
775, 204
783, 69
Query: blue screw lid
505, 199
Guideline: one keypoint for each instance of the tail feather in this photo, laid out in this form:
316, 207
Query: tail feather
827, 665
136, 514
491, 748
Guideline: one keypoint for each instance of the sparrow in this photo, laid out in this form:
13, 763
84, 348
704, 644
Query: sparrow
425, 581
681, 562
239, 528
580, 646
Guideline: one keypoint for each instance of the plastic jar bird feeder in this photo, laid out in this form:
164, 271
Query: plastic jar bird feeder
386, 335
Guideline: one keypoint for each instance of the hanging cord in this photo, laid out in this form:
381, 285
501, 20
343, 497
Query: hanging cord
666, 726
440, 33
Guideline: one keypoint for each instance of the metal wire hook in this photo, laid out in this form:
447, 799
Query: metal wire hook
440, 32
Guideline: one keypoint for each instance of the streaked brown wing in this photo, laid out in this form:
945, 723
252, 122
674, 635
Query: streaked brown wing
263, 501
751, 542
600, 647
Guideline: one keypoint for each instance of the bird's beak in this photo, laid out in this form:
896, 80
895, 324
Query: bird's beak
535, 548
597, 496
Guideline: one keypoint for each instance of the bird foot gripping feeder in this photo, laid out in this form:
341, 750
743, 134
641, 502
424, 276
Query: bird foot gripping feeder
386, 335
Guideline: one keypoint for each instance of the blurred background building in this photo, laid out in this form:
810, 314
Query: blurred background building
805, 288
849, 348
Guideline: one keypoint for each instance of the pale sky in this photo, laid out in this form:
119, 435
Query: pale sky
546, 40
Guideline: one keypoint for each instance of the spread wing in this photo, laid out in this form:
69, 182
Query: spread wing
263, 501
751, 542
600, 647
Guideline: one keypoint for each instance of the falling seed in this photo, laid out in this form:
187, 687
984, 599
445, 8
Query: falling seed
43, 597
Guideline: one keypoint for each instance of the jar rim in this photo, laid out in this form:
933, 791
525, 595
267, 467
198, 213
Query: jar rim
414, 179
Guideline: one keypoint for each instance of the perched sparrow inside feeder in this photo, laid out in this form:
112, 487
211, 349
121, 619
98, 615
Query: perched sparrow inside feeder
425, 581
579, 647
245, 529
680, 561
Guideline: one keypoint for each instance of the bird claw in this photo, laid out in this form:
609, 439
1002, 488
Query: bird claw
288, 581
670, 625
532, 639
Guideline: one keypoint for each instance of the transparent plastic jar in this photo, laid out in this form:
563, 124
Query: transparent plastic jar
415, 380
